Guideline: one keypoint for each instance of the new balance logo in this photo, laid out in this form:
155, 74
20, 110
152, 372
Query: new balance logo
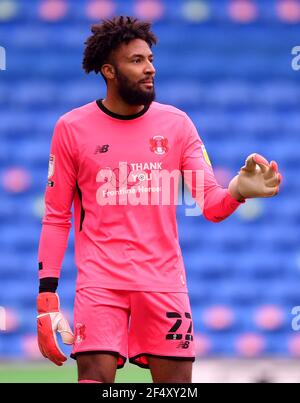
101, 149
184, 344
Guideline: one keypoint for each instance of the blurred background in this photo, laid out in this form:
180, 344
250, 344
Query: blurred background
228, 64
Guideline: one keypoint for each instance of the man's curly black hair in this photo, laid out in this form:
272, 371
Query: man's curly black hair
109, 35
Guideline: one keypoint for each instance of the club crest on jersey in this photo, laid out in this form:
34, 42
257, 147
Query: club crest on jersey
51, 166
159, 145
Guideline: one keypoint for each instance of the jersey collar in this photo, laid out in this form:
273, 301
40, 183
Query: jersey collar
121, 117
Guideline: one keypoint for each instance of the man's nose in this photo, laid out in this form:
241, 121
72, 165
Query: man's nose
150, 69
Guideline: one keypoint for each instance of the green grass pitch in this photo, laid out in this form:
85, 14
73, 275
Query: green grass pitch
47, 373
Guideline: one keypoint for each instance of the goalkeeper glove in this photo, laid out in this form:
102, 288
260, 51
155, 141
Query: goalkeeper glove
49, 321
257, 178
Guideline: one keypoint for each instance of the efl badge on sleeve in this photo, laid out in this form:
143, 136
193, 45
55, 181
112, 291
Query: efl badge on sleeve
206, 157
159, 145
51, 166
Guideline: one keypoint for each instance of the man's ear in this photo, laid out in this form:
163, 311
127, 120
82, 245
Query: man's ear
108, 71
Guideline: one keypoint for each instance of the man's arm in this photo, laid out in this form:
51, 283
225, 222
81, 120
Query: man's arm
62, 174
257, 178
59, 195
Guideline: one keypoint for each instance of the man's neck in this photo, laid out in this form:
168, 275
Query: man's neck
120, 107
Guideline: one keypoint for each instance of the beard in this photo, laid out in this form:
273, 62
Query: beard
131, 93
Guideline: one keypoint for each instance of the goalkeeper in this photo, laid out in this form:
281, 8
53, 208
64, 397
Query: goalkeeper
131, 295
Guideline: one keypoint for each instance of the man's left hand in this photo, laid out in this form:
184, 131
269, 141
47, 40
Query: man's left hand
257, 178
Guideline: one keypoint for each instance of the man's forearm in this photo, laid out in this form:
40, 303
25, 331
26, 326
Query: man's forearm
219, 204
52, 247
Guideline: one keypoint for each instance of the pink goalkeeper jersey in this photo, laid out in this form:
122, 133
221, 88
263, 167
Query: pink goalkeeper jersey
124, 217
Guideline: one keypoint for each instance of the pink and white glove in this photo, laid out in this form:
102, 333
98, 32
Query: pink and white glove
49, 321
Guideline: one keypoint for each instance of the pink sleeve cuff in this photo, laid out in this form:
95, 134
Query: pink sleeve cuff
234, 202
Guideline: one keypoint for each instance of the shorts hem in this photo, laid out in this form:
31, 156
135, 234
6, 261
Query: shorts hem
132, 287
115, 353
133, 359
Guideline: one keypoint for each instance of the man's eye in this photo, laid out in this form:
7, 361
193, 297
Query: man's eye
136, 60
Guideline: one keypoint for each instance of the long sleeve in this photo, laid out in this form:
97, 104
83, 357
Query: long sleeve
59, 195
215, 202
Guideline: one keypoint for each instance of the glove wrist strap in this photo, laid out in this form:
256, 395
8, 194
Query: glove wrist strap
47, 302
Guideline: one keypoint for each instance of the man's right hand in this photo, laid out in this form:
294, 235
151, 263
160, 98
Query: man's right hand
49, 321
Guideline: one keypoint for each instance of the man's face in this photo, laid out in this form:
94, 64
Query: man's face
135, 73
